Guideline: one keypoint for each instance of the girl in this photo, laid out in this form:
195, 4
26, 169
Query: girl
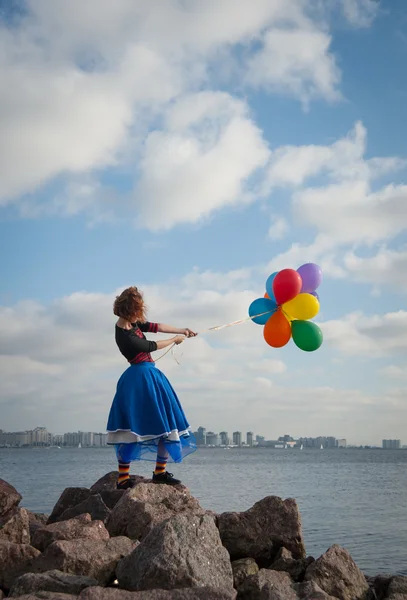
146, 416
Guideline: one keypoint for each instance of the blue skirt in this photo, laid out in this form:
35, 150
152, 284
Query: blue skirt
146, 410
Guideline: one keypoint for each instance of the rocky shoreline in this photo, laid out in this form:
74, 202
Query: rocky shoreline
155, 542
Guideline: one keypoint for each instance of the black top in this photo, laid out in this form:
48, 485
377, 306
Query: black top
133, 344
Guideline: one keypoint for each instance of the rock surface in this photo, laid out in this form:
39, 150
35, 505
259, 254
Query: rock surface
242, 568
337, 574
15, 527
276, 585
262, 530
15, 559
81, 527
42, 595
92, 505
182, 594
9, 498
147, 505
51, 581
184, 551
36, 520
92, 558
69, 498
295, 568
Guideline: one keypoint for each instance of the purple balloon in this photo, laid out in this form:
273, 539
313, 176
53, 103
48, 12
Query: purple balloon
315, 294
311, 275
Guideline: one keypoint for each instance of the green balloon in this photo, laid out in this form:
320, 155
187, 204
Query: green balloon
306, 335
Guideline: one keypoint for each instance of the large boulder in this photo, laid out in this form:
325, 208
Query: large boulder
69, 498
92, 505
204, 593
15, 559
276, 585
146, 505
92, 558
51, 581
296, 568
15, 527
337, 574
262, 530
182, 552
9, 498
80, 527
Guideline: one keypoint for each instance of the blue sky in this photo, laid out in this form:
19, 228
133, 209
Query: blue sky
193, 161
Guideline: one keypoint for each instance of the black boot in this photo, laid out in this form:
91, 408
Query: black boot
126, 484
167, 478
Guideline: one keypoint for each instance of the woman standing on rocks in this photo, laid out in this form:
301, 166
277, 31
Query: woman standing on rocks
146, 416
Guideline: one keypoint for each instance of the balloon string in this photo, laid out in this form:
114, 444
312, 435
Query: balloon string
217, 328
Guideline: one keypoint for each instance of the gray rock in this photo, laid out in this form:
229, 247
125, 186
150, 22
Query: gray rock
15, 559
262, 530
112, 497
15, 527
42, 595
338, 575
397, 587
308, 590
79, 527
184, 551
36, 520
242, 568
51, 581
267, 585
108, 482
69, 498
276, 585
204, 593
9, 498
92, 558
295, 568
146, 505
93, 505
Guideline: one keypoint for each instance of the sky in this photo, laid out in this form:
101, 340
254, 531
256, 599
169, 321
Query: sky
191, 149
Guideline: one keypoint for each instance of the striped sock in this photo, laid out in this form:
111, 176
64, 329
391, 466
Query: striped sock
124, 472
160, 465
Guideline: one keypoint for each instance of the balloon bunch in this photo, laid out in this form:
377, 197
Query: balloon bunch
288, 304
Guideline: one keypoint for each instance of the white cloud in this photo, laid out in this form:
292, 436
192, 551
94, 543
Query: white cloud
278, 229
368, 337
200, 162
385, 268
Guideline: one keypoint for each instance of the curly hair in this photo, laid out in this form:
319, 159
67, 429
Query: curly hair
130, 305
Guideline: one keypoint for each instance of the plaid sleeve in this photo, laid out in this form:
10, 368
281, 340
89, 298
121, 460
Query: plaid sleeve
148, 327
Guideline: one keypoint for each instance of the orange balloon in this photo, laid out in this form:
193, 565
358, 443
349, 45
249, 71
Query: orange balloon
277, 330
266, 295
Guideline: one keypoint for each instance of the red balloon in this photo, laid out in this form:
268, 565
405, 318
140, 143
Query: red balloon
286, 285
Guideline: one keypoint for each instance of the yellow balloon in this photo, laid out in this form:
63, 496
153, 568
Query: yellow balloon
303, 307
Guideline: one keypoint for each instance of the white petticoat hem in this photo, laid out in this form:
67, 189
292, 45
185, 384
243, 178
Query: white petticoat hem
125, 436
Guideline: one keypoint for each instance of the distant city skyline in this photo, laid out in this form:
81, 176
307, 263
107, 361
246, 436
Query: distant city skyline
40, 436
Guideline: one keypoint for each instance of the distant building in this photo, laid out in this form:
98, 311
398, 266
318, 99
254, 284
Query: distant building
391, 444
249, 438
237, 438
260, 439
201, 436
224, 438
212, 439
341, 443
100, 439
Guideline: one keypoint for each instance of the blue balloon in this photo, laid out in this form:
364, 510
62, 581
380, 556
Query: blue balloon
260, 306
269, 285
